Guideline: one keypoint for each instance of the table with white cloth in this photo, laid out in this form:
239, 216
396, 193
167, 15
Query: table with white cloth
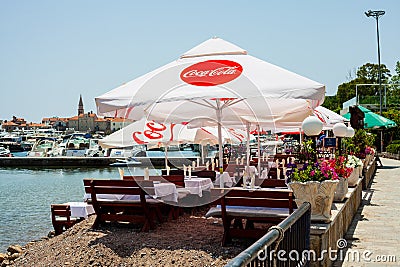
163, 191
226, 179
196, 185
80, 209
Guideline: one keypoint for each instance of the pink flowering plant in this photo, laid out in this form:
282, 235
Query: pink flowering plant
318, 171
339, 164
313, 169
369, 151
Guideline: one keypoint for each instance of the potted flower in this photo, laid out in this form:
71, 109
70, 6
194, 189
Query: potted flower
356, 164
315, 182
343, 172
369, 155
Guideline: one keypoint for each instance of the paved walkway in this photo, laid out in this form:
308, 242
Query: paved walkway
374, 234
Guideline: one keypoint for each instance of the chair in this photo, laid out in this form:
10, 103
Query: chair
61, 218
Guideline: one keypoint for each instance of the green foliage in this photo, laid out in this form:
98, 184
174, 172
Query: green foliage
393, 148
367, 73
394, 115
396, 77
331, 103
395, 142
359, 142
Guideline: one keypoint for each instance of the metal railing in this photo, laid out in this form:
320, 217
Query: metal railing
283, 245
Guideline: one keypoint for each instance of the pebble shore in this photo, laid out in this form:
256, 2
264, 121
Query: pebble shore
189, 241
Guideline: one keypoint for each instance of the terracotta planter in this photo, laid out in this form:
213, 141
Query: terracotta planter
319, 194
341, 189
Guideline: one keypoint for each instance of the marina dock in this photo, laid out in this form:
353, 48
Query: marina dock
87, 161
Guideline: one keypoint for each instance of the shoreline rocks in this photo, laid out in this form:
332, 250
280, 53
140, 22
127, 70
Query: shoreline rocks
13, 252
188, 241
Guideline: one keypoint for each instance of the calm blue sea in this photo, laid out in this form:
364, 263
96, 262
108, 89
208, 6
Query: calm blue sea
26, 195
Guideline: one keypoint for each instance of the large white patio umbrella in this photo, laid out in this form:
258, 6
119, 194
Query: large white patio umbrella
153, 134
326, 116
215, 82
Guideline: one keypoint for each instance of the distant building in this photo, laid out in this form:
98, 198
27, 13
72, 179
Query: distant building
80, 106
86, 122
119, 123
103, 125
14, 124
60, 124
9, 126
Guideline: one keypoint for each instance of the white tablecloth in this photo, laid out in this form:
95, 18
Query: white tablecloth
226, 179
163, 191
264, 174
166, 192
80, 209
196, 185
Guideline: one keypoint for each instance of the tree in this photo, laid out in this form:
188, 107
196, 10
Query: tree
331, 103
394, 90
394, 115
368, 73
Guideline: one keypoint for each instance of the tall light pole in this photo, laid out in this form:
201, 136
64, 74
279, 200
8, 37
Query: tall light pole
376, 14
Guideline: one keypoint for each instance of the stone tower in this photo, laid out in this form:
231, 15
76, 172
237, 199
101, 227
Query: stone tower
80, 106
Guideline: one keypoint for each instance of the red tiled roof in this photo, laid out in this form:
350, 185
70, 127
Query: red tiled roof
10, 123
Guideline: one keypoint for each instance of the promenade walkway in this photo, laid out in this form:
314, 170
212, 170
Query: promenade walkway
373, 238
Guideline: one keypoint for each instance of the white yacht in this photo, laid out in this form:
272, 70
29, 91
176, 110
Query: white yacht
4, 152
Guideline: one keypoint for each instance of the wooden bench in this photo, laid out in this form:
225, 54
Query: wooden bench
179, 181
257, 206
61, 218
271, 183
142, 209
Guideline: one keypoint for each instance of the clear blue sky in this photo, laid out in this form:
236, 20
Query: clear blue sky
52, 51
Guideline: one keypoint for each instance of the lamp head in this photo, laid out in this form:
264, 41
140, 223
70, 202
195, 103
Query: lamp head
312, 126
340, 129
350, 132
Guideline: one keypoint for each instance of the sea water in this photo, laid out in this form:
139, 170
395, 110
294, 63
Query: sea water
26, 196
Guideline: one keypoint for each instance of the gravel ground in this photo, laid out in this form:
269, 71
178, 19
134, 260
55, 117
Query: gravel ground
191, 240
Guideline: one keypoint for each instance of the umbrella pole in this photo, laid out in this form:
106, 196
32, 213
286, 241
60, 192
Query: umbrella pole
202, 154
258, 151
166, 156
248, 145
219, 115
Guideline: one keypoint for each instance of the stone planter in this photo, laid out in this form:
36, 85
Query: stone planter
360, 170
353, 178
319, 194
341, 189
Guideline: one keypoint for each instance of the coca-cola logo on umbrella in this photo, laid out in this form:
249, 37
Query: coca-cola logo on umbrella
211, 72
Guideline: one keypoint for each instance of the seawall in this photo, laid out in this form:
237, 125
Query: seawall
86, 161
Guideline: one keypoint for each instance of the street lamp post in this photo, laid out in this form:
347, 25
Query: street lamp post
376, 14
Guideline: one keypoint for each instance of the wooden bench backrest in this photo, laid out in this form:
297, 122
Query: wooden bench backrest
256, 198
173, 172
206, 174
60, 210
269, 183
119, 187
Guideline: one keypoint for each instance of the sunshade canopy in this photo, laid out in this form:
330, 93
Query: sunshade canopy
145, 132
373, 120
215, 69
218, 83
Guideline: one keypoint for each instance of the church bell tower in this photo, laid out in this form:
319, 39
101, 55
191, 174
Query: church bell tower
80, 106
